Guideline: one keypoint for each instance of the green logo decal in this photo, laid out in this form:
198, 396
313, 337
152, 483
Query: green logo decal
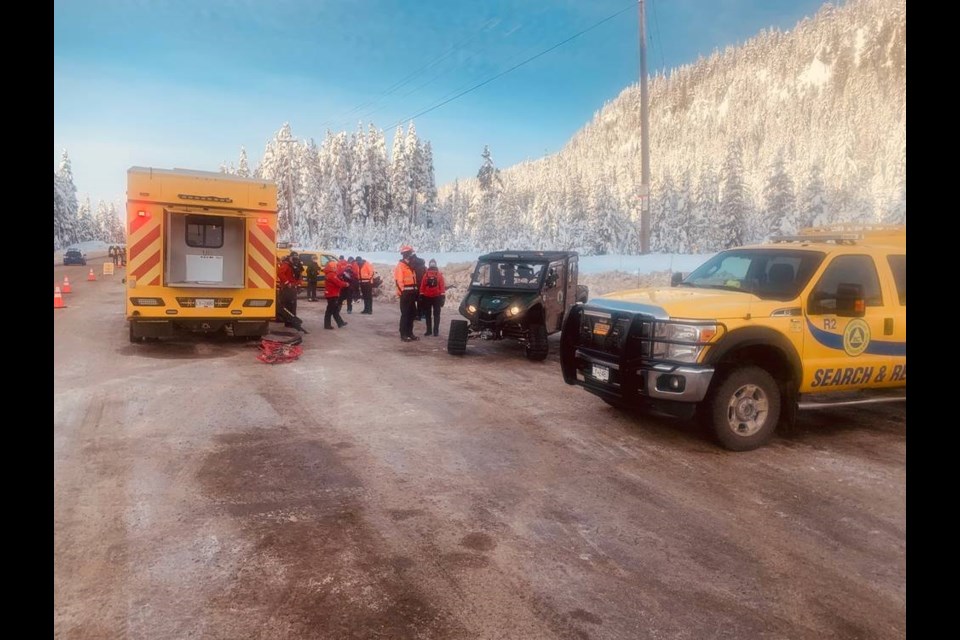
856, 337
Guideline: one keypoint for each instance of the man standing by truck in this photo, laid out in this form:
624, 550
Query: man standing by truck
366, 285
313, 276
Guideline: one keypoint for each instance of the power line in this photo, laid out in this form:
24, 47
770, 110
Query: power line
520, 64
413, 74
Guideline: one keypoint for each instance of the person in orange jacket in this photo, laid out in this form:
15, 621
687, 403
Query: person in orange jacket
406, 280
334, 284
366, 285
433, 292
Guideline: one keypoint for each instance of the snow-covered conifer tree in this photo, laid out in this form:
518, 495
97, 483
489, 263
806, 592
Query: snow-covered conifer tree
243, 169
379, 187
360, 176
64, 204
812, 205
117, 224
86, 226
281, 164
779, 212
428, 186
400, 192
734, 200
307, 234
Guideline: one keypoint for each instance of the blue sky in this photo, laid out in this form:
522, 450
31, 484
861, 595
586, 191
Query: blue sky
186, 83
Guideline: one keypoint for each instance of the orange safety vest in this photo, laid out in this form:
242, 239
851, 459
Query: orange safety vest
405, 277
366, 272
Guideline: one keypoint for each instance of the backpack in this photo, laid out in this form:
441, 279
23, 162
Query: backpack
432, 280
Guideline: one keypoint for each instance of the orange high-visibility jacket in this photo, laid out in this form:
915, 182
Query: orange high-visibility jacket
404, 277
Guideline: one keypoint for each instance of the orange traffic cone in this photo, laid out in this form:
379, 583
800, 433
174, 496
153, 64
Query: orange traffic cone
90, 276
58, 299
66, 285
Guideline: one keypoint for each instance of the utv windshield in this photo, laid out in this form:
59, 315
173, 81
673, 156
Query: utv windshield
771, 274
508, 275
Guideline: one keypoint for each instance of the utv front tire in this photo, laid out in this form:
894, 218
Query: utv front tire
745, 408
538, 347
457, 338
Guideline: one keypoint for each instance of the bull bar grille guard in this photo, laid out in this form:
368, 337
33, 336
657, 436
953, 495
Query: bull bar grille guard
626, 349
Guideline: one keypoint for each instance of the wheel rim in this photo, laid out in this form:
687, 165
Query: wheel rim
747, 410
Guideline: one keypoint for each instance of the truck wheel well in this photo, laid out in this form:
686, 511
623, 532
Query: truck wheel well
534, 315
768, 358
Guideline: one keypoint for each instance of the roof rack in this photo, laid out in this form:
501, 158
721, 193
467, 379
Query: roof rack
848, 233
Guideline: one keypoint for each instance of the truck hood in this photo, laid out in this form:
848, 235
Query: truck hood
680, 302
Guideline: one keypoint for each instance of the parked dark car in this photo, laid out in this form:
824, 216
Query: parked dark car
74, 256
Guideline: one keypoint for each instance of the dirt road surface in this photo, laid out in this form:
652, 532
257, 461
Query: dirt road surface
380, 489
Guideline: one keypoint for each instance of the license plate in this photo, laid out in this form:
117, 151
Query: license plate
601, 329
600, 373
205, 303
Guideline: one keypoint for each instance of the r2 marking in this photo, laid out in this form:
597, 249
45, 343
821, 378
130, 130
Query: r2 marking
829, 323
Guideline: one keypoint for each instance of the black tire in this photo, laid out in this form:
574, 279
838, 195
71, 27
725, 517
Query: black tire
745, 408
457, 339
538, 347
133, 337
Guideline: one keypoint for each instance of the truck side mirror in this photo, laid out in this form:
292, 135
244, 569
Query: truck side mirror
676, 278
850, 300
551, 280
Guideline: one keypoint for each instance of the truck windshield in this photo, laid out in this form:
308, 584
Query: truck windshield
770, 274
508, 275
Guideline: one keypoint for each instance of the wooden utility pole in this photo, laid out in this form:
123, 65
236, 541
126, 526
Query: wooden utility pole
644, 138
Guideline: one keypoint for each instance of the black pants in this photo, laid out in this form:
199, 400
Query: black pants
288, 301
333, 311
366, 292
346, 297
431, 307
408, 311
311, 289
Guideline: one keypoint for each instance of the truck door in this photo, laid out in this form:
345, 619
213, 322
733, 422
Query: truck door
841, 350
554, 295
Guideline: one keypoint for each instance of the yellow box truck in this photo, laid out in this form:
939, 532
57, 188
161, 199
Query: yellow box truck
201, 253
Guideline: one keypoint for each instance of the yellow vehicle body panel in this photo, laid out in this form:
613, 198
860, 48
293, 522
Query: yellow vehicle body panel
160, 201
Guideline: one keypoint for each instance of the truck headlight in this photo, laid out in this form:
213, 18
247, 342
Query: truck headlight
514, 310
471, 309
681, 342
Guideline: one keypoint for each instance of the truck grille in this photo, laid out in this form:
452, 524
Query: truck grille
616, 333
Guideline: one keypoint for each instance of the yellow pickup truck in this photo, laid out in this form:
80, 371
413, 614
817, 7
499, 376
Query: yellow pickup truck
754, 333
